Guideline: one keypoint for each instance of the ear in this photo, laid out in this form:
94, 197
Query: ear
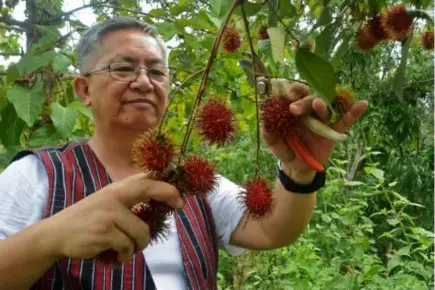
81, 88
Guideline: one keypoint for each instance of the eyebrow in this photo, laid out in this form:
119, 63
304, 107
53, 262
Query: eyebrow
148, 62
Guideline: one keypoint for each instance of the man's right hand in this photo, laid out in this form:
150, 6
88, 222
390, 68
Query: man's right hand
104, 220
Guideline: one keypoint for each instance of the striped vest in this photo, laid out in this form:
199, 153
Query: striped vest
74, 172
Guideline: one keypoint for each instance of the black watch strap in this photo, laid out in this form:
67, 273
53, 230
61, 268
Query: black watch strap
317, 183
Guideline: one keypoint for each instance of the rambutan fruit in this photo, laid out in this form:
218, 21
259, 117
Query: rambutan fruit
154, 214
262, 32
276, 116
257, 198
396, 22
364, 39
344, 100
152, 150
196, 176
376, 30
216, 122
427, 40
231, 39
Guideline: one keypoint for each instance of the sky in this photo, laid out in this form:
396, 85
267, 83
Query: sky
86, 16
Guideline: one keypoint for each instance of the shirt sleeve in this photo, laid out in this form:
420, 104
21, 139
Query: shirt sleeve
23, 195
227, 213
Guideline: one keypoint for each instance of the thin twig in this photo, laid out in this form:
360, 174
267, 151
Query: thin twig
13, 22
172, 94
251, 46
204, 80
283, 24
68, 13
11, 53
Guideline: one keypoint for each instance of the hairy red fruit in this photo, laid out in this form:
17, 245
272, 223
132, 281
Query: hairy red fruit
262, 32
154, 214
427, 40
376, 30
216, 122
231, 39
396, 22
196, 176
364, 39
152, 151
344, 100
276, 116
257, 198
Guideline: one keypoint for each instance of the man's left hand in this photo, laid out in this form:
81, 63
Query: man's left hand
319, 147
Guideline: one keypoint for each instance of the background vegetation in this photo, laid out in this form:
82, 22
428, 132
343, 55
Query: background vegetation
373, 226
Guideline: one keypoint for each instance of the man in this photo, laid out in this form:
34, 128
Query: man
61, 207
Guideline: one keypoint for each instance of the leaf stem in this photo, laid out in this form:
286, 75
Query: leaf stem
251, 46
283, 24
205, 76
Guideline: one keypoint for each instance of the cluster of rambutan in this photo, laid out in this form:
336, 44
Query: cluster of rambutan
392, 24
231, 39
344, 100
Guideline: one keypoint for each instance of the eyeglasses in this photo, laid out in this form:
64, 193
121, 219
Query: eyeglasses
128, 72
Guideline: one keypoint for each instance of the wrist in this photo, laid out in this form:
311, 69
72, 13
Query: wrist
298, 176
48, 240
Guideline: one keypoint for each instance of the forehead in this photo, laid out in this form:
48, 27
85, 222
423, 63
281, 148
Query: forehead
130, 43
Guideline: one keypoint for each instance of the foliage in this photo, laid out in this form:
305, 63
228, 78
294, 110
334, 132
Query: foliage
373, 225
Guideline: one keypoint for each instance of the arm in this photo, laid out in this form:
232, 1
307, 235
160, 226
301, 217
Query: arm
291, 215
25, 257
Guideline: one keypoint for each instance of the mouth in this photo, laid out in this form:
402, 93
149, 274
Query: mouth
141, 101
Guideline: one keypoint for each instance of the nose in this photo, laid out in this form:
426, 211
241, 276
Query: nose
143, 82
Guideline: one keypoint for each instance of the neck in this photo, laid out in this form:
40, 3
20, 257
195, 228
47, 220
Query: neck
113, 149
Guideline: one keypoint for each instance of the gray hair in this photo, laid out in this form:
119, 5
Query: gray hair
92, 38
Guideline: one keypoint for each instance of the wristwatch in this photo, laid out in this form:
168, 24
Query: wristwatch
290, 185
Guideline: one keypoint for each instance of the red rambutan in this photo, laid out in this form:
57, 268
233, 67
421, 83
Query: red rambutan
427, 40
396, 22
196, 176
276, 116
257, 198
262, 32
344, 100
231, 39
376, 29
364, 40
152, 150
216, 122
154, 214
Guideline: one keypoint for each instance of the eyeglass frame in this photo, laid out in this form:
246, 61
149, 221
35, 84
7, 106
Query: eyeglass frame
137, 69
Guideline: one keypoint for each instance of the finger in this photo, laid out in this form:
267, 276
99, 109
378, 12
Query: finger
133, 227
350, 117
321, 109
122, 244
138, 188
278, 147
303, 106
297, 91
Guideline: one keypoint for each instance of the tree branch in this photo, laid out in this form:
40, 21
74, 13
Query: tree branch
11, 53
10, 27
13, 22
68, 13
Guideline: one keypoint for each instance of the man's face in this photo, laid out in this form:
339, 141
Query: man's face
130, 105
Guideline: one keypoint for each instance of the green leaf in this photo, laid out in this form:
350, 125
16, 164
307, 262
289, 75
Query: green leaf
318, 72
341, 50
79, 107
12, 73
378, 173
251, 9
45, 136
325, 18
263, 45
61, 63
399, 78
404, 251
277, 40
64, 118
11, 127
323, 41
393, 263
30, 63
286, 9
219, 7
272, 19
393, 222
27, 102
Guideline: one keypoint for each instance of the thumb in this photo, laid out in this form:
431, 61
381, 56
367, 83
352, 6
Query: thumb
139, 188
